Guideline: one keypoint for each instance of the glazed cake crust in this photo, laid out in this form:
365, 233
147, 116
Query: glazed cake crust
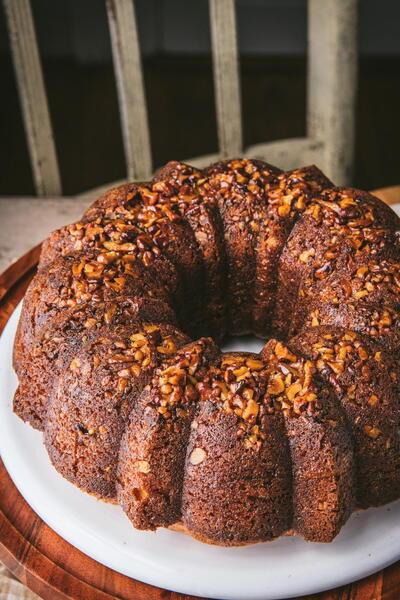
365, 381
380, 322
183, 185
150, 489
338, 227
236, 448
150, 207
41, 366
96, 392
237, 189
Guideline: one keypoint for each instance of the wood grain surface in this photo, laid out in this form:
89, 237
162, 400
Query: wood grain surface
54, 569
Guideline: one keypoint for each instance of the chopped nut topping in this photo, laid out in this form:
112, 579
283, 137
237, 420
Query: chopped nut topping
304, 256
256, 365
373, 400
284, 383
110, 313
293, 390
282, 352
358, 225
336, 355
377, 322
125, 358
379, 276
140, 494
197, 456
372, 432
82, 278
75, 365
276, 385
342, 213
143, 466
176, 382
168, 347
251, 410
291, 193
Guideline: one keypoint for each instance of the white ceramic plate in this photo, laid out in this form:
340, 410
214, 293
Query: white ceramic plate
280, 569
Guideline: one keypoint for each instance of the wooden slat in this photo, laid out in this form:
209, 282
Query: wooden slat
13, 274
226, 76
33, 97
130, 86
332, 77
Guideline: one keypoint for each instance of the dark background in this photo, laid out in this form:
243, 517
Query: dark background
174, 35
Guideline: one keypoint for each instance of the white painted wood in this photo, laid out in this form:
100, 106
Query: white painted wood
33, 98
130, 86
101, 189
332, 78
198, 161
331, 93
203, 161
226, 76
287, 154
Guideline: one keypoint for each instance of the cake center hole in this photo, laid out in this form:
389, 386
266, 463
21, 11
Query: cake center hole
242, 343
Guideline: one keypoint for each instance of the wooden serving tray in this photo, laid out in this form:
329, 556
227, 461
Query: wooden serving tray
54, 569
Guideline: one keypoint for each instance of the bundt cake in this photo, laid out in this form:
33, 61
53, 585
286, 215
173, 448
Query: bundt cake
118, 364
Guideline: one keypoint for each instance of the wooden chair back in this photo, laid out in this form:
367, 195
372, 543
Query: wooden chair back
332, 60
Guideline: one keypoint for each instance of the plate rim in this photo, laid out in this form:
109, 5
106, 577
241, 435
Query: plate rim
317, 587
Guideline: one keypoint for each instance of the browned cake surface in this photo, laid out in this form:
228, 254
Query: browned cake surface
150, 207
320, 444
237, 484
77, 279
366, 385
42, 364
97, 390
286, 198
338, 226
238, 448
237, 187
379, 322
182, 184
153, 450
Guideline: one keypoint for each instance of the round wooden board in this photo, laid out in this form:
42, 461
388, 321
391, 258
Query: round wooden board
54, 569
